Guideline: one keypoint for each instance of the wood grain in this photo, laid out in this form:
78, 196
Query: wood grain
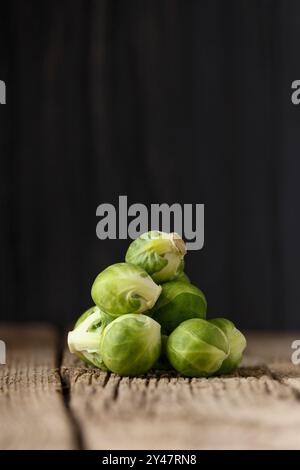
256, 408
32, 410
52, 403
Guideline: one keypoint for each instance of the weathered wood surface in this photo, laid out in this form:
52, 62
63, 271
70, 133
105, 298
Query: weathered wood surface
32, 411
256, 408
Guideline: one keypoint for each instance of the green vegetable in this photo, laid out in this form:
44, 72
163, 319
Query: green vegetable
197, 348
85, 339
162, 362
86, 314
178, 301
115, 335
182, 277
124, 288
160, 254
237, 343
131, 344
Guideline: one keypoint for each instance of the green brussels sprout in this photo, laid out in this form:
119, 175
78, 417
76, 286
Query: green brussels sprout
124, 288
182, 277
162, 362
85, 339
159, 253
178, 301
237, 343
131, 344
86, 314
197, 348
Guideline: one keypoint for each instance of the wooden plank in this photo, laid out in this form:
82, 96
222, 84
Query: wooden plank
32, 410
270, 348
275, 350
252, 409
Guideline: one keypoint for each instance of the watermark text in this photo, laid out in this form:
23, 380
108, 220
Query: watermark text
295, 358
131, 221
2, 353
2, 92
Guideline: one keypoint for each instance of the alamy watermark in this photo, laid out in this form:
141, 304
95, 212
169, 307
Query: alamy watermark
2, 92
2, 353
295, 96
295, 358
133, 220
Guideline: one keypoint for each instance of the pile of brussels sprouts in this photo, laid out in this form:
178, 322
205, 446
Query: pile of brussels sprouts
147, 314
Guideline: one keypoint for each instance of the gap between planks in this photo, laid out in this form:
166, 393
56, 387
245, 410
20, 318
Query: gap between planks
52, 400
32, 409
256, 408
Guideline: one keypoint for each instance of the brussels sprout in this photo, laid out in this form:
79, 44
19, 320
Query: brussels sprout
178, 301
86, 314
131, 344
197, 348
124, 288
182, 277
85, 339
160, 254
162, 362
237, 343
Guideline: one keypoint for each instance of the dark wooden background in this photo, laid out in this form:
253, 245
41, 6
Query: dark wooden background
164, 101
